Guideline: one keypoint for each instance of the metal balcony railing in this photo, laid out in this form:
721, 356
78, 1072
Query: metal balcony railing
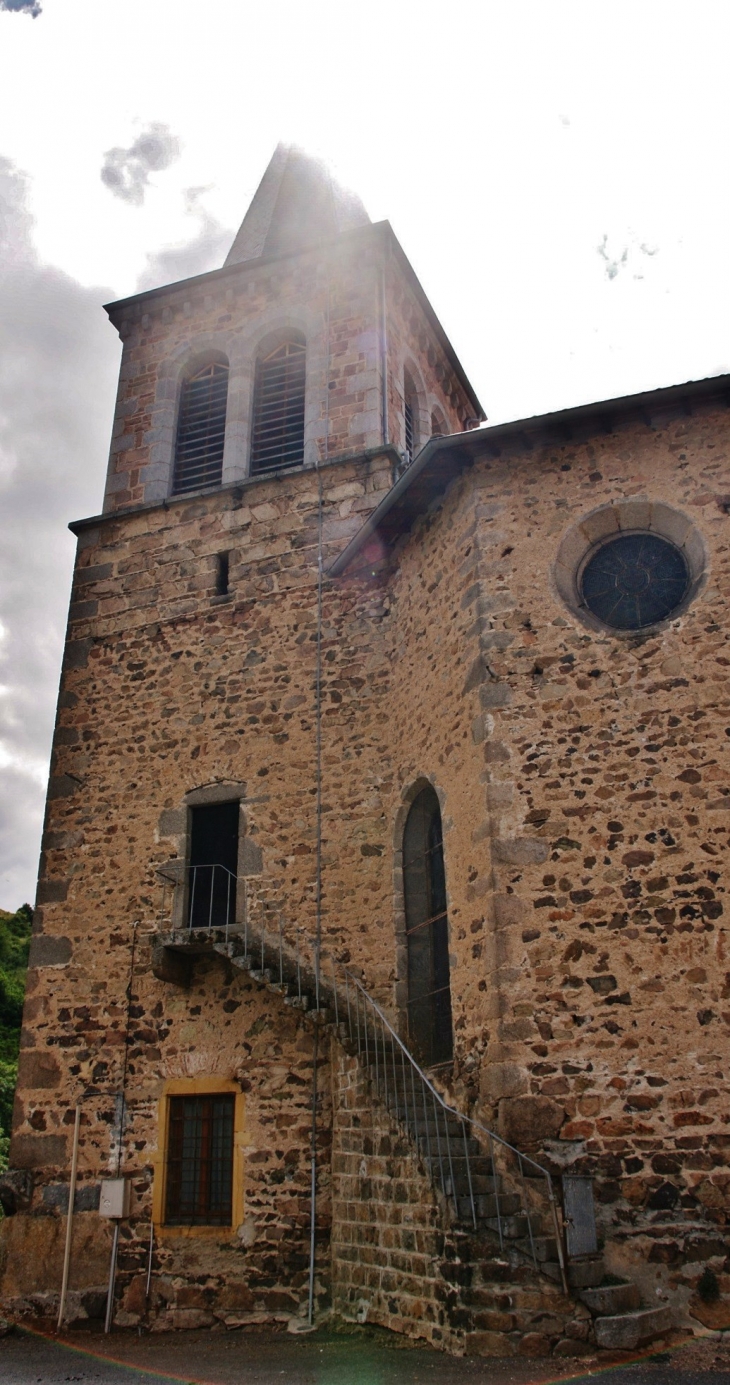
211, 897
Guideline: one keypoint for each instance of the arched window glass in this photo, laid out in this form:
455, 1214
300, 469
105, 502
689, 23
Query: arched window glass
201, 429
410, 414
278, 410
427, 932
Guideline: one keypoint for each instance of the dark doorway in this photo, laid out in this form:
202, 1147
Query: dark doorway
213, 865
427, 932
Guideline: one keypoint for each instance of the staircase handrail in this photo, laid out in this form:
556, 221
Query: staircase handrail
492, 1138
274, 940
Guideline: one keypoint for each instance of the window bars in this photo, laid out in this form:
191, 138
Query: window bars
201, 430
200, 1161
408, 412
278, 428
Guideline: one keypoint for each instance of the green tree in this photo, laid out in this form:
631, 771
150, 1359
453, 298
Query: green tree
15, 930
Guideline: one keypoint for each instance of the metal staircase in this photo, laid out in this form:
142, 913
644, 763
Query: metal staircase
487, 1186
504, 1201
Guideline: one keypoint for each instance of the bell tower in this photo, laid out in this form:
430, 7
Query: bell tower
314, 342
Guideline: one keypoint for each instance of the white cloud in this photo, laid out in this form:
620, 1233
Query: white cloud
58, 362
126, 172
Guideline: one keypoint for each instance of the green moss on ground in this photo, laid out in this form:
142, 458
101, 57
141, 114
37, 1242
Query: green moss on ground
15, 932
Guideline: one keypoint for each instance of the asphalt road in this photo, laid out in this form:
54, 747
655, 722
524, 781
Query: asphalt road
320, 1359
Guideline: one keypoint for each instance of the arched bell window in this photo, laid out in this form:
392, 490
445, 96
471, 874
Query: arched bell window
427, 932
410, 415
201, 429
278, 409
438, 425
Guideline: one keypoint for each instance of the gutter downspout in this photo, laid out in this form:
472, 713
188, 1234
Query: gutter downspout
383, 360
318, 872
69, 1219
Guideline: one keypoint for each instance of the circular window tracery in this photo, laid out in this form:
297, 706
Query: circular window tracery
634, 580
630, 565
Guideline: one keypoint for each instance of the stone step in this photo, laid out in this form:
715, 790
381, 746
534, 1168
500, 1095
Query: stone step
515, 1227
586, 1274
430, 1136
480, 1183
457, 1155
486, 1207
478, 1168
540, 1247
626, 1331
322, 1016
611, 1299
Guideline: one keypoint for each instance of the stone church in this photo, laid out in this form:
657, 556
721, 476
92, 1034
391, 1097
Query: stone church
380, 956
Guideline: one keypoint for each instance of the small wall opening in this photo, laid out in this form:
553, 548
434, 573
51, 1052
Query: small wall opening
222, 574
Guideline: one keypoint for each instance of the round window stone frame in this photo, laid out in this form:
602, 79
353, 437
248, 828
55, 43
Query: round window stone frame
590, 533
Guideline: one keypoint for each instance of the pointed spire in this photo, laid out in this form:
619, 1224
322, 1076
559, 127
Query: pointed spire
297, 204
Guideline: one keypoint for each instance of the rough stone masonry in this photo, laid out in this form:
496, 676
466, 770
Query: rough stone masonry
581, 771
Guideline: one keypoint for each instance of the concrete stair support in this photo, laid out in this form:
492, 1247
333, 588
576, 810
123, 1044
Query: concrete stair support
586, 1274
627, 1331
610, 1300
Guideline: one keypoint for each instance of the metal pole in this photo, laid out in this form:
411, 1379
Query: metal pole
468, 1174
149, 1266
558, 1237
313, 1190
69, 1217
191, 916
112, 1278
527, 1210
334, 987
496, 1194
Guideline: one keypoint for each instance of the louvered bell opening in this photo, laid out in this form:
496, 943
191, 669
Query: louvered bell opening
409, 430
278, 432
201, 431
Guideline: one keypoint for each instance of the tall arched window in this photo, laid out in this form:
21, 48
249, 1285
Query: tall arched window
201, 429
278, 408
410, 414
427, 932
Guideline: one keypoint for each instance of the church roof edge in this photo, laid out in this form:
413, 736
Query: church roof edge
444, 458
119, 306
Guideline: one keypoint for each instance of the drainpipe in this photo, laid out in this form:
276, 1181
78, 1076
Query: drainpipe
69, 1218
383, 360
318, 879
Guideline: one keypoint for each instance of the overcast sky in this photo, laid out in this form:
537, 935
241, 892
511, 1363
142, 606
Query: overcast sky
557, 173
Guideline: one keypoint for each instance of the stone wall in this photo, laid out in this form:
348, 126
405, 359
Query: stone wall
167, 688
583, 781
583, 778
